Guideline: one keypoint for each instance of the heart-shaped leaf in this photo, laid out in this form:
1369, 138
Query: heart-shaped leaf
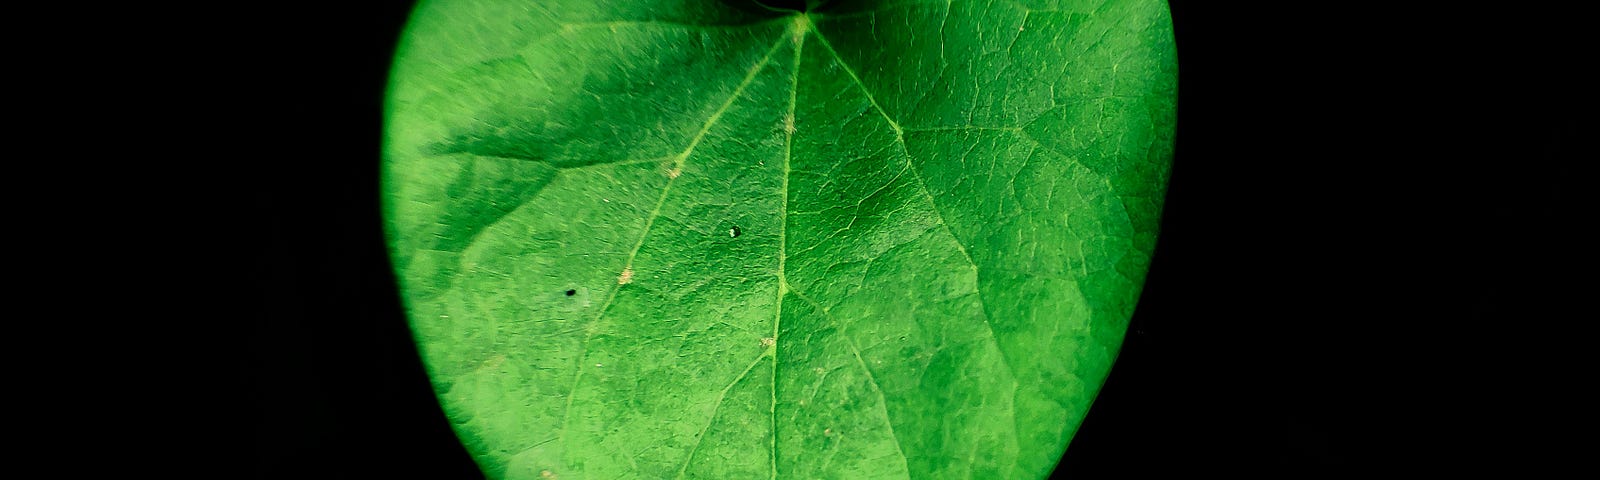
689, 238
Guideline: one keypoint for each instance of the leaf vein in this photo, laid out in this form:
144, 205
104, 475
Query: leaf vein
700, 439
577, 377
796, 33
923, 186
883, 401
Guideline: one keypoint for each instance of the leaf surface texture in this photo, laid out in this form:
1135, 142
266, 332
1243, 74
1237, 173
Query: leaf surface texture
676, 239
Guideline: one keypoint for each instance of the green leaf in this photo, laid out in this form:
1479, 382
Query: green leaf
701, 239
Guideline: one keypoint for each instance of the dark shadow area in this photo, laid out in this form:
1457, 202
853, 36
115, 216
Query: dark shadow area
792, 5
1366, 257
339, 392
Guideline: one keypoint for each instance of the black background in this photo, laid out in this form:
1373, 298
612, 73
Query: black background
1368, 259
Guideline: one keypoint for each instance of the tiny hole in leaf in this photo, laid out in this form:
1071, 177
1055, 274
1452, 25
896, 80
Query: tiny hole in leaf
735, 232
572, 292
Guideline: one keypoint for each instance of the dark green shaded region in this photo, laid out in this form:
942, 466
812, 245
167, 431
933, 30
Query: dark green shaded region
783, 5
888, 239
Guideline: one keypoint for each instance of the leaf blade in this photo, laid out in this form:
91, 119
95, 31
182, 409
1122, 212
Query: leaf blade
912, 273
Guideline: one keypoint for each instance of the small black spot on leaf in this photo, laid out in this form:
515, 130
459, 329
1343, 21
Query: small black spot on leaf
572, 292
735, 232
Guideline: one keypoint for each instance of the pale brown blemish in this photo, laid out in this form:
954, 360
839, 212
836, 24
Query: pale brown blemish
547, 474
673, 173
626, 277
827, 432
768, 342
494, 362
788, 123
819, 370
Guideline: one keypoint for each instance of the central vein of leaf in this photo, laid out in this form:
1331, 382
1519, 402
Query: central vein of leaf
797, 32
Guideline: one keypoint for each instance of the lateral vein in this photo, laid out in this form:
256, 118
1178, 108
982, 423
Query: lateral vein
922, 184
883, 401
714, 409
577, 377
